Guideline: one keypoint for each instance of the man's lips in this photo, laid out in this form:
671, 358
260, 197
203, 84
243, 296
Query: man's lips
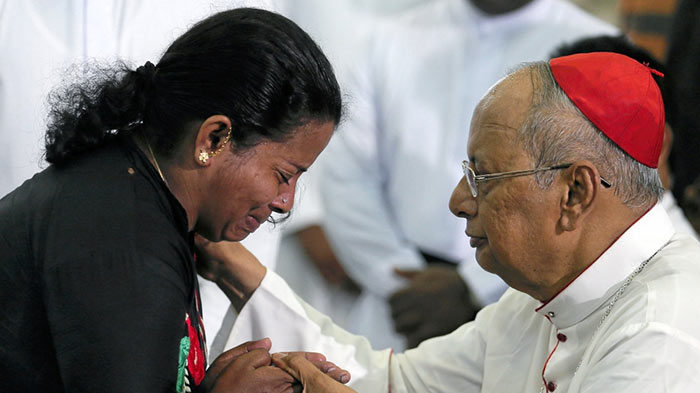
476, 241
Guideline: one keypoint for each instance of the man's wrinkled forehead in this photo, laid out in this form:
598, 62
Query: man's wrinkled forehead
506, 104
499, 116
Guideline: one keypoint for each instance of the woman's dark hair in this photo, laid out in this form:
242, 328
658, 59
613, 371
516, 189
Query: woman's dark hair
256, 67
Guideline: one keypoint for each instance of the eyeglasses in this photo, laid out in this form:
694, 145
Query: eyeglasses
474, 179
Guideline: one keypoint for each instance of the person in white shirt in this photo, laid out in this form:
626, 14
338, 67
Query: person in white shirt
392, 166
560, 195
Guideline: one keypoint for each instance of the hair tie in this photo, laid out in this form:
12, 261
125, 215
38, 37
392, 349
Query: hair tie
146, 74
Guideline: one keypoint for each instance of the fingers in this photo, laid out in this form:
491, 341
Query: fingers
313, 357
247, 367
302, 369
233, 353
405, 299
263, 379
407, 309
335, 372
421, 334
320, 362
229, 356
408, 320
406, 273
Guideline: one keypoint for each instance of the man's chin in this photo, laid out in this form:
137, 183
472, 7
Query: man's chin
484, 259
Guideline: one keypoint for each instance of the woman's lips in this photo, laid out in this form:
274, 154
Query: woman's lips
251, 224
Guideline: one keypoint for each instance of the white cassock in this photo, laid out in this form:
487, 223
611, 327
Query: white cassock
628, 323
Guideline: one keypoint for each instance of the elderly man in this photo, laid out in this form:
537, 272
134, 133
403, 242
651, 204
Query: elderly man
560, 196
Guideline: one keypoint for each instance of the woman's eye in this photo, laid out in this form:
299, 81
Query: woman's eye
284, 179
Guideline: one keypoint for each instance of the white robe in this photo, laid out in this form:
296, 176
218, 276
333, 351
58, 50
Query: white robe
648, 342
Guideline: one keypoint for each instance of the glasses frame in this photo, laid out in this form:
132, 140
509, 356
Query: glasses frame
473, 179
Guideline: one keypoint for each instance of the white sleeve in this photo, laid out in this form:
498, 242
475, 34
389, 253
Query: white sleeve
276, 312
443, 364
359, 219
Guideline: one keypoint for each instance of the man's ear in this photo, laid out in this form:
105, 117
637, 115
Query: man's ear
582, 183
212, 136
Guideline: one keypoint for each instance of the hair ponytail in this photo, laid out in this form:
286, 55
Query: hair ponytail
256, 67
93, 110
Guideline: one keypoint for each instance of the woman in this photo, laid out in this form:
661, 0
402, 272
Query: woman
99, 288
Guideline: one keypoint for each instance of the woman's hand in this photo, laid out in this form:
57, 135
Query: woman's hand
231, 266
247, 368
313, 377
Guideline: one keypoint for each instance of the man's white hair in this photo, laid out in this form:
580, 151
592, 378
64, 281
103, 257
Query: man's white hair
556, 132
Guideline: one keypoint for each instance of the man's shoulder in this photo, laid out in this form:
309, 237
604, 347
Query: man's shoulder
665, 291
677, 265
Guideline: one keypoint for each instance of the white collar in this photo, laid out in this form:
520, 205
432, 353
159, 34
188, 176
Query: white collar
595, 285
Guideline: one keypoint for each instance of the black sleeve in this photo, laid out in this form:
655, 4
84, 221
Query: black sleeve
117, 319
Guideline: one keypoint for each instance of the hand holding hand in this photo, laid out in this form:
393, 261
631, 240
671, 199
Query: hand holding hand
315, 377
435, 302
247, 368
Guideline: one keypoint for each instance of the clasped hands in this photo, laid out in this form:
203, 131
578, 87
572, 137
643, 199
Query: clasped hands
250, 367
435, 301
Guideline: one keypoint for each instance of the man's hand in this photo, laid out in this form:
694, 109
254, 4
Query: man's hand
247, 368
312, 379
435, 302
231, 266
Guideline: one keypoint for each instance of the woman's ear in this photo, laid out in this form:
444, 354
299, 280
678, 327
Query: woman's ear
581, 185
213, 135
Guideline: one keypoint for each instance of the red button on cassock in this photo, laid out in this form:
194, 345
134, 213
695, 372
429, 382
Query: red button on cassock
551, 386
561, 337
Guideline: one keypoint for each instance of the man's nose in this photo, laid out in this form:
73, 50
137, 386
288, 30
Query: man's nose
462, 203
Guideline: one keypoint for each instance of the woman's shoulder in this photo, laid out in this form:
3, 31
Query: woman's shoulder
99, 202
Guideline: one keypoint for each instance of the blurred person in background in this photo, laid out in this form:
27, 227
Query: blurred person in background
684, 97
648, 23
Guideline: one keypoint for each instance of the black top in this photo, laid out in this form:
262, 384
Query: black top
98, 288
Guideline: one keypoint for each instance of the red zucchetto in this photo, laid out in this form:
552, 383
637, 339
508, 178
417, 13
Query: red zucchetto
618, 95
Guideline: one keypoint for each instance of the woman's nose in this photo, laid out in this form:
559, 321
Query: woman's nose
462, 203
283, 203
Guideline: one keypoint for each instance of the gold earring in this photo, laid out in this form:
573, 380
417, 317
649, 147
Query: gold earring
223, 144
203, 156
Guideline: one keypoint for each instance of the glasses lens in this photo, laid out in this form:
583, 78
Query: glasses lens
471, 180
471, 177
